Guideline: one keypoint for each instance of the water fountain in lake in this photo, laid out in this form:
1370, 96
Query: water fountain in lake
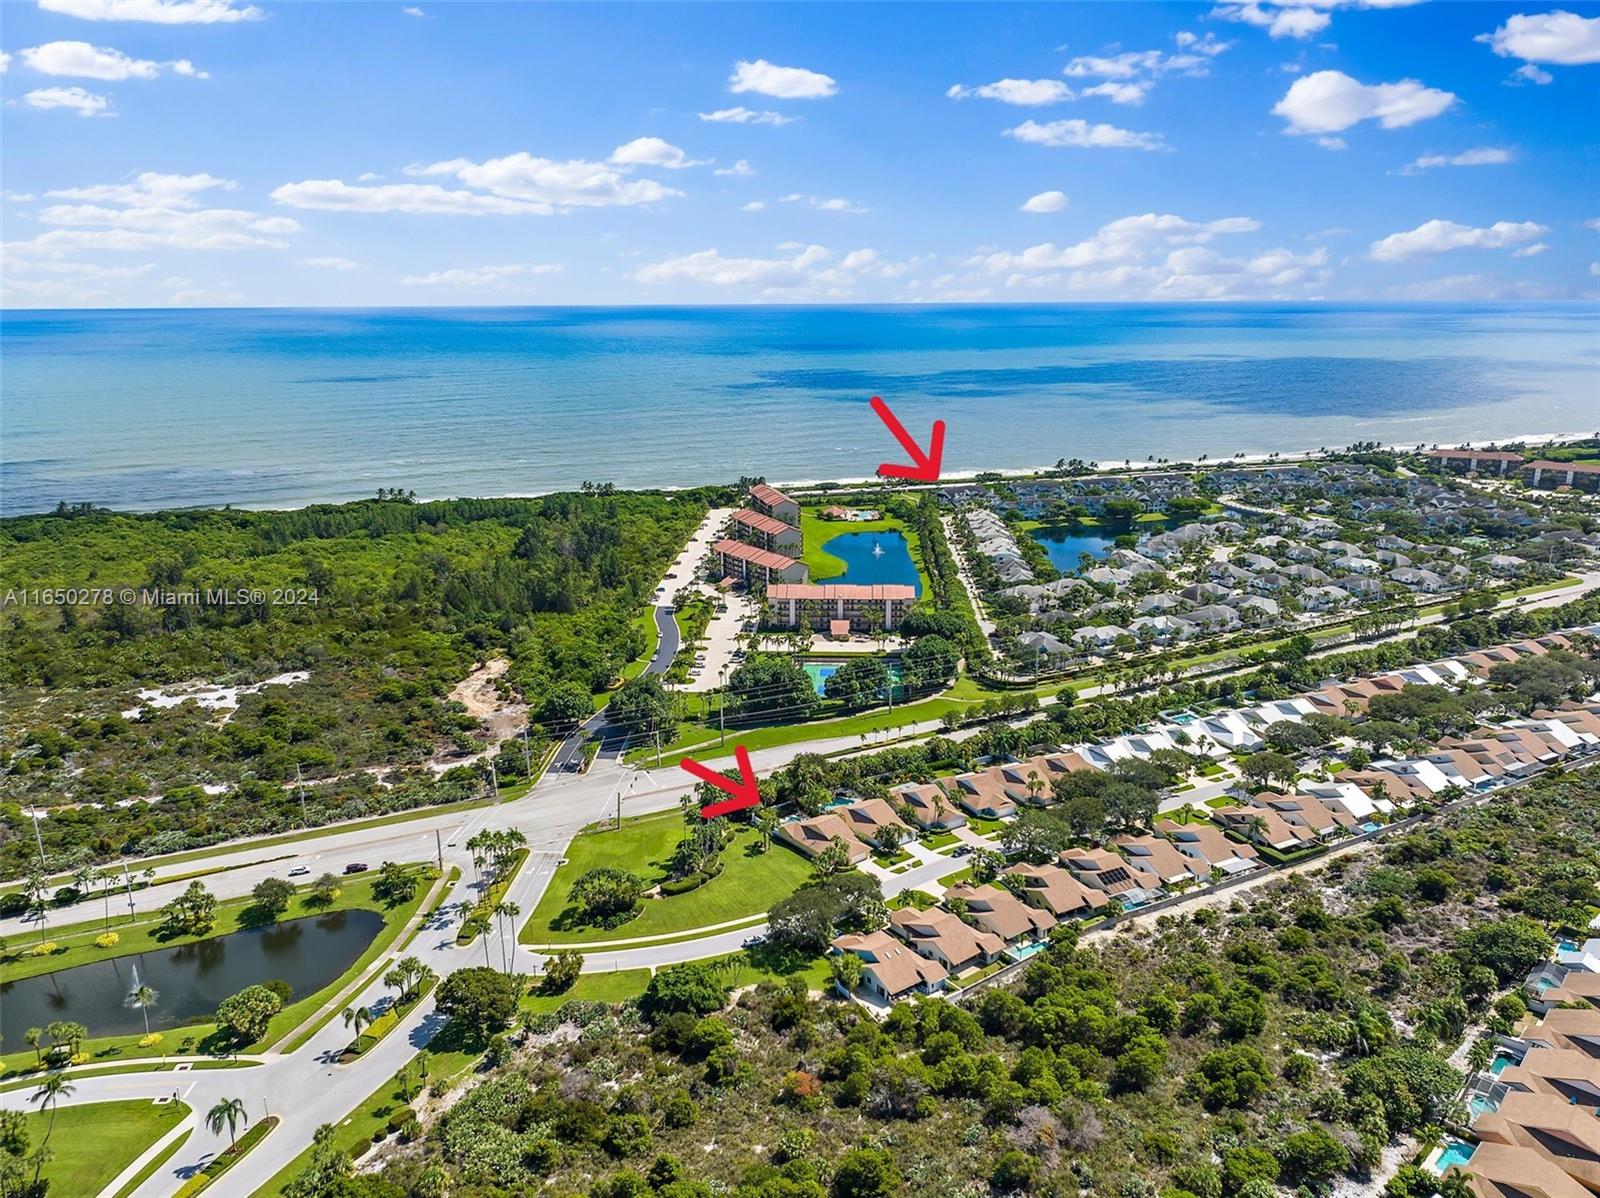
877, 549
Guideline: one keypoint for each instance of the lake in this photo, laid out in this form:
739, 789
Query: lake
191, 979
871, 558
1063, 546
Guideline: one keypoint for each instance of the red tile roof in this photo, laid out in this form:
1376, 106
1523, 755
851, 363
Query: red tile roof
804, 591
756, 557
761, 523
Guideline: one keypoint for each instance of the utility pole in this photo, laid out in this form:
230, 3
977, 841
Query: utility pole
438, 844
494, 780
527, 759
658, 748
300, 789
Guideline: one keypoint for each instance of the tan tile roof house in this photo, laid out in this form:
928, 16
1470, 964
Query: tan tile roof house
1565, 1134
1264, 826
930, 806
940, 936
869, 817
1209, 848
1572, 1075
1576, 1028
812, 836
1305, 812
985, 793
1100, 870
995, 909
1057, 891
1508, 1171
891, 970
1158, 861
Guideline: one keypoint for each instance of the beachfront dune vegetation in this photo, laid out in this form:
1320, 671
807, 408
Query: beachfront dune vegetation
1296, 1037
369, 613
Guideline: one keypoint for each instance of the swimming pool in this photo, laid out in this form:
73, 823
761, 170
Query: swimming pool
1500, 1064
1023, 952
1454, 1152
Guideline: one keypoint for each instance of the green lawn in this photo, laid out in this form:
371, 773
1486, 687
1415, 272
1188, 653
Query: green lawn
750, 882
355, 892
611, 986
150, 1166
94, 1142
938, 840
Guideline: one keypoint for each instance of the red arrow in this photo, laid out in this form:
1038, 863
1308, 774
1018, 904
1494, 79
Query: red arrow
745, 792
926, 469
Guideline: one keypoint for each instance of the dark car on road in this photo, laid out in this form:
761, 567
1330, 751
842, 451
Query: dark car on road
356, 867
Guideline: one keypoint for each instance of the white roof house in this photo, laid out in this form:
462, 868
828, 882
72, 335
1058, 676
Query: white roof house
1229, 729
1346, 797
1426, 773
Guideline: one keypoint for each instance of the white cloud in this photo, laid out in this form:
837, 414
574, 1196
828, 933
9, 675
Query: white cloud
748, 116
783, 83
739, 170
711, 267
183, 66
411, 10
205, 297
154, 210
1473, 287
81, 60
368, 177
1528, 73
413, 199
73, 98
824, 203
1559, 38
1440, 236
1023, 92
519, 184
1331, 101
1530, 251
1299, 22
1119, 93
1083, 135
1137, 64
331, 263
754, 206
1594, 268
571, 184
1046, 201
158, 12
5, 62
808, 270
1482, 156
1333, 143
652, 151
1300, 19
482, 276
1127, 240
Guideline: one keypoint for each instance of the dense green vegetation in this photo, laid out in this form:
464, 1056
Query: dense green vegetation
394, 604
1283, 1040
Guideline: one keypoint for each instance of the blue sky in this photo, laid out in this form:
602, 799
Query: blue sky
219, 152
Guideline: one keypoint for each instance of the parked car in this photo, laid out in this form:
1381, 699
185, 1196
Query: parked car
356, 867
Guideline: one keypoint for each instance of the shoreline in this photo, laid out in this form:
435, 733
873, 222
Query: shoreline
1100, 469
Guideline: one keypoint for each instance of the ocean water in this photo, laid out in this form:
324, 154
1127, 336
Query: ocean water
280, 407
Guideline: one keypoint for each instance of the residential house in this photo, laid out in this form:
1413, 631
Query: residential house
1055, 890
891, 970
996, 910
984, 793
813, 835
930, 806
1565, 1135
870, 819
940, 936
1157, 863
1263, 826
1213, 852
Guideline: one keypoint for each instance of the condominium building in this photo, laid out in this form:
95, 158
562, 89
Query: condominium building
1481, 461
819, 605
765, 532
753, 564
1583, 476
769, 501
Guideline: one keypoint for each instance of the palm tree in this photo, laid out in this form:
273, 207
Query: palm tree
228, 1111
357, 1018
106, 878
766, 824
144, 998
504, 910
51, 1091
33, 1038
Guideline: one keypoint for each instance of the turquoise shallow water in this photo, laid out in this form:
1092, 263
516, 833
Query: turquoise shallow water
278, 407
